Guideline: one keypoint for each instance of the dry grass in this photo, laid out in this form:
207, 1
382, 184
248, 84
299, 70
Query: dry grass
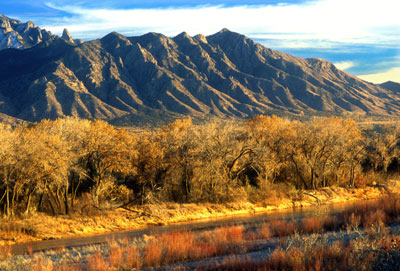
40, 263
181, 246
322, 258
5, 251
383, 211
116, 257
97, 263
381, 253
233, 234
185, 245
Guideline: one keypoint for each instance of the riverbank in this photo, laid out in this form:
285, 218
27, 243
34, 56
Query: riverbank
37, 227
363, 235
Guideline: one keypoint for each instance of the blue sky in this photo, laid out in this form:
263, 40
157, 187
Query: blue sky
361, 37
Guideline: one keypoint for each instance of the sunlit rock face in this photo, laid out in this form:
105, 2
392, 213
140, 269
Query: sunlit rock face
16, 34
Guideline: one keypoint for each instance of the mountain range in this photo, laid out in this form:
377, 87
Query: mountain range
149, 78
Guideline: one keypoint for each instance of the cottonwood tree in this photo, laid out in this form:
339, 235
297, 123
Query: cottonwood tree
149, 166
322, 147
349, 149
69, 133
223, 155
8, 168
269, 137
383, 150
179, 140
107, 151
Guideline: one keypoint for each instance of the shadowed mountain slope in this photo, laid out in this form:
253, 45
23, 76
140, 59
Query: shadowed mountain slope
392, 86
128, 79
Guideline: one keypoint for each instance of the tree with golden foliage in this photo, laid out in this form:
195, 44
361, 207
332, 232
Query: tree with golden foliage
270, 138
325, 146
180, 142
223, 155
69, 133
147, 179
8, 161
107, 151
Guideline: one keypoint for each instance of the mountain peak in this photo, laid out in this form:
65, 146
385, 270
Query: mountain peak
225, 35
391, 85
66, 36
16, 34
225, 30
113, 35
5, 24
200, 38
5, 18
183, 35
153, 35
115, 40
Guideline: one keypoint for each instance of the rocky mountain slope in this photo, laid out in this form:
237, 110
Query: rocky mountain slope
15, 34
134, 79
19, 35
392, 86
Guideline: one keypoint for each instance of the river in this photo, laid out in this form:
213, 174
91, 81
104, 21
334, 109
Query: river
248, 221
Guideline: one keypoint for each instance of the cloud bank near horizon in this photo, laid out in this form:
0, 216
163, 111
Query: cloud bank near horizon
323, 21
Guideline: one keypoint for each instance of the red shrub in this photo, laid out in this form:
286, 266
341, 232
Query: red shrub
153, 254
116, 256
132, 258
264, 232
5, 251
311, 225
178, 246
282, 228
235, 234
97, 263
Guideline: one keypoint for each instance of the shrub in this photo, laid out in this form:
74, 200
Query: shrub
282, 228
153, 254
97, 263
311, 225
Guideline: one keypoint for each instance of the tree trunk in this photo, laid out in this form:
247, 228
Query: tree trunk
66, 201
39, 206
313, 181
351, 184
28, 203
8, 201
51, 205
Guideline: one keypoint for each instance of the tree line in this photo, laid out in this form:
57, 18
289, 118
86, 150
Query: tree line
56, 166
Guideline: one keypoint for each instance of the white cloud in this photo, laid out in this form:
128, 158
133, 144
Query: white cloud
355, 21
377, 78
345, 65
